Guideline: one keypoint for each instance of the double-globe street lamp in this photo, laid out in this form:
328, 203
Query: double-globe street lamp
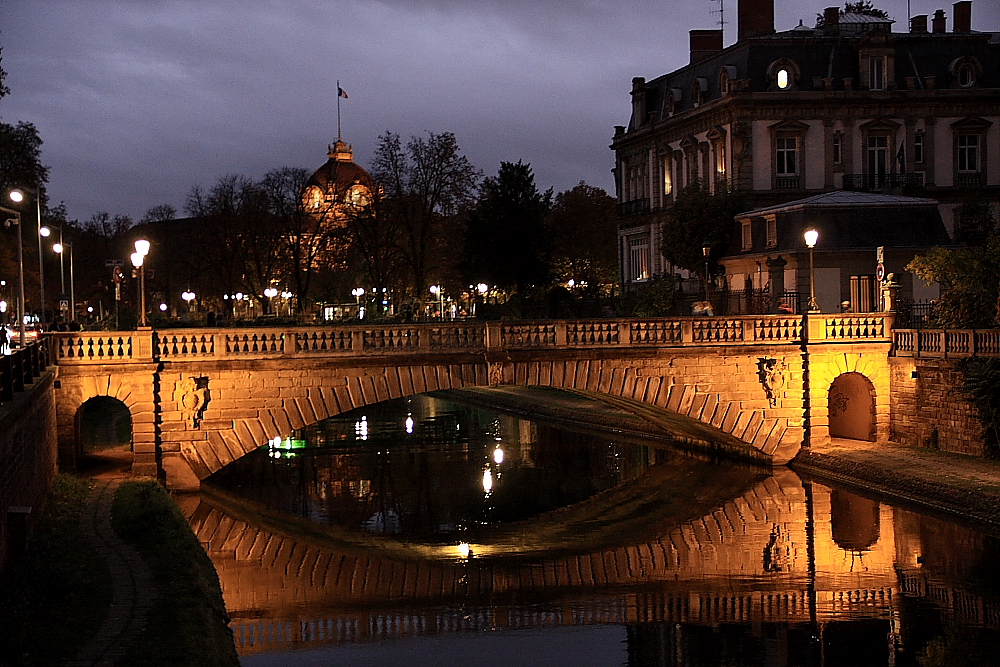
17, 196
138, 259
811, 237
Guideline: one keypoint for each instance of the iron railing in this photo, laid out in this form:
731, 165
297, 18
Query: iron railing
878, 182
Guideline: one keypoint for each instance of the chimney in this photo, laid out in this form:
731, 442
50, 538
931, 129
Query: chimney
831, 19
962, 16
754, 18
638, 101
938, 22
705, 43
918, 24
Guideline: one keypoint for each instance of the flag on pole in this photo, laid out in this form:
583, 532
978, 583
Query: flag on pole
341, 93
901, 157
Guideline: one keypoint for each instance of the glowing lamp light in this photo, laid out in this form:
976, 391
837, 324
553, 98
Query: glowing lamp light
142, 247
45, 231
782, 79
498, 456
286, 295
435, 289
270, 292
482, 288
811, 237
488, 481
90, 309
163, 307
57, 248
409, 423
464, 551
16, 196
137, 258
238, 296
3, 306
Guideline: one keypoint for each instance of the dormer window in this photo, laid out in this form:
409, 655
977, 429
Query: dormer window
965, 71
876, 73
783, 74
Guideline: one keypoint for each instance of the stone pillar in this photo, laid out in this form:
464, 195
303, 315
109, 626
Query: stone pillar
776, 276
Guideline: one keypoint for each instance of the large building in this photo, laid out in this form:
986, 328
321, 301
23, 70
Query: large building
782, 116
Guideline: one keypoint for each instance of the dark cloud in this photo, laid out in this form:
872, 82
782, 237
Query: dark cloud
138, 100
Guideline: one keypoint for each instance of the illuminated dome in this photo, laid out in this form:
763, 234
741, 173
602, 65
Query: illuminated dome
338, 182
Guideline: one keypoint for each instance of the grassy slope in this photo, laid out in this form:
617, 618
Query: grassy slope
188, 623
57, 597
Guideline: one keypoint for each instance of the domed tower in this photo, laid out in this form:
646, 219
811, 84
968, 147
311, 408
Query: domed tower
338, 184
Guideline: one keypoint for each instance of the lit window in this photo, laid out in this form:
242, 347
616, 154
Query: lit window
772, 232
782, 78
668, 185
968, 153
747, 233
786, 154
639, 256
876, 73
720, 160
918, 148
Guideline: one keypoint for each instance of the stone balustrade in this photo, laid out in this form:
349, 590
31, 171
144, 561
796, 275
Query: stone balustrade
469, 337
946, 344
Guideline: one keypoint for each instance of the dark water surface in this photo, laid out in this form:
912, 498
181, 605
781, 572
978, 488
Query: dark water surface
425, 532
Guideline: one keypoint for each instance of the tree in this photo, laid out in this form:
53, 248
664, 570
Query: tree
507, 243
422, 185
308, 238
697, 219
969, 281
375, 249
583, 229
159, 213
863, 7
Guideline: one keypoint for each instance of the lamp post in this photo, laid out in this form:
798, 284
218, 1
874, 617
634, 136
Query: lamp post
358, 292
16, 220
60, 249
18, 196
706, 250
138, 259
812, 236
189, 297
439, 292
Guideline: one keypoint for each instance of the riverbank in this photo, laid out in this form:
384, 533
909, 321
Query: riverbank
113, 575
954, 484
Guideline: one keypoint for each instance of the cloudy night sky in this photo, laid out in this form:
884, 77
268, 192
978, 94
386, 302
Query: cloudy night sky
138, 100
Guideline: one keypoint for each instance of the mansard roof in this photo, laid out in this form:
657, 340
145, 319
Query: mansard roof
849, 220
819, 55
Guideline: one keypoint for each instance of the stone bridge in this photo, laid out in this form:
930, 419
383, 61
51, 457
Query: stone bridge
201, 398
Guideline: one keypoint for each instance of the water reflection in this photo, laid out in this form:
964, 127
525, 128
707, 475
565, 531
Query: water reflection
699, 564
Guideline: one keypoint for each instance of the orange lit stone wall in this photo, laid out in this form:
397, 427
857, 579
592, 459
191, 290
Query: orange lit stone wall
930, 410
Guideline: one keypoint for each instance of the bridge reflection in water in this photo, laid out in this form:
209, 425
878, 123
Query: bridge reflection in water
797, 556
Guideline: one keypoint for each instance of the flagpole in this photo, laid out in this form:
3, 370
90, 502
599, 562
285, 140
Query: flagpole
338, 110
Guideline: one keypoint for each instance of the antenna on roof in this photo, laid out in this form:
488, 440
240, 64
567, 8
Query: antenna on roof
721, 11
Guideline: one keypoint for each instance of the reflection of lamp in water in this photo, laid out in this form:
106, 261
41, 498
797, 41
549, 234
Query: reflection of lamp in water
464, 551
361, 428
498, 455
409, 423
488, 481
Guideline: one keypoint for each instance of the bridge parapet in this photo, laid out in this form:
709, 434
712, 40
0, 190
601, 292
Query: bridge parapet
471, 337
946, 344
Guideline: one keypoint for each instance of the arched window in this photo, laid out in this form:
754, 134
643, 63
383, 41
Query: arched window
965, 71
783, 74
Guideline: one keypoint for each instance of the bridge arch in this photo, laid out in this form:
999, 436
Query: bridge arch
200, 398
851, 404
103, 423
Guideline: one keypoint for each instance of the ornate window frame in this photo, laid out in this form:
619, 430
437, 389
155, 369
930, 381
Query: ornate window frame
965, 72
727, 79
969, 127
781, 132
792, 72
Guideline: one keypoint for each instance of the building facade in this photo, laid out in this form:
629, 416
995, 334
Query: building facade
781, 116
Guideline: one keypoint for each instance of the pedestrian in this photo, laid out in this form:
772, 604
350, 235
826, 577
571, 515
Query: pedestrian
4, 340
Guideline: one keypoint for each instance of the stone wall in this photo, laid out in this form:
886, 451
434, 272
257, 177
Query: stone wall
928, 408
27, 457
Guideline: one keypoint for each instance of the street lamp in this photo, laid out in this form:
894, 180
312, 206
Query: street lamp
138, 259
357, 293
59, 249
18, 196
811, 237
439, 292
189, 297
16, 220
706, 250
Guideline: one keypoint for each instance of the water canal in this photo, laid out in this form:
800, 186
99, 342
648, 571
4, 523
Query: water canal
424, 531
